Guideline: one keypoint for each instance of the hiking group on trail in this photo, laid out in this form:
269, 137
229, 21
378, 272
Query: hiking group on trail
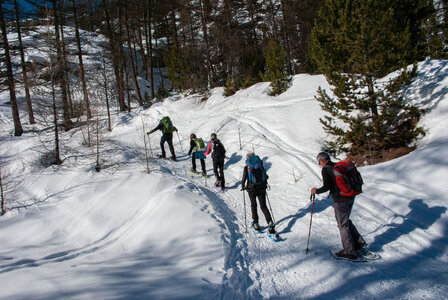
341, 179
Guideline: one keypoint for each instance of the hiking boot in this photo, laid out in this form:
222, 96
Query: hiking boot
173, 158
193, 171
342, 254
218, 183
360, 245
271, 227
256, 227
204, 174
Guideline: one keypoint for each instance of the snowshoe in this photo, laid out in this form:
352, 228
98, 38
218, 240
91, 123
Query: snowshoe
256, 227
368, 255
349, 257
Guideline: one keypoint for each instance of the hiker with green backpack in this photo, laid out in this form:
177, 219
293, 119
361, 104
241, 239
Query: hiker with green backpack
197, 149
167, 128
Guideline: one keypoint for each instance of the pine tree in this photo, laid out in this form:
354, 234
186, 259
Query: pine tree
275, 67
354, 44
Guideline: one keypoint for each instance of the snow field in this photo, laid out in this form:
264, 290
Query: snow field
124, 234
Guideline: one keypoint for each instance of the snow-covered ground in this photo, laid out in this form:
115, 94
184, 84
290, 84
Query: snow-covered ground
73, 233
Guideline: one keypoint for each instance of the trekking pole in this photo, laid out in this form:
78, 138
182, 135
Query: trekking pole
312, 197
180, 142
269, 202
245, 220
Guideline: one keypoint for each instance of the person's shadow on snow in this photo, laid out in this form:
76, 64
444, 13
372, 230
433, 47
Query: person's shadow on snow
319, 206
421, 216
234, 159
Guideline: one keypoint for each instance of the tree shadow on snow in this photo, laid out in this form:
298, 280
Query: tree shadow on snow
421, 216
408, 273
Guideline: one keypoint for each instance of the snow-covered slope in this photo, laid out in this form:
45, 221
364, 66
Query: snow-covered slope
124, 234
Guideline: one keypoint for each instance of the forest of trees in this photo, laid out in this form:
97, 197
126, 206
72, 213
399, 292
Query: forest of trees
202, 44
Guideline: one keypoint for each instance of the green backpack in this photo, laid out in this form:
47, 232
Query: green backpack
167, 125
200, 145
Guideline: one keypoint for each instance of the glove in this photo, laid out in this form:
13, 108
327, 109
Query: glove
243, 188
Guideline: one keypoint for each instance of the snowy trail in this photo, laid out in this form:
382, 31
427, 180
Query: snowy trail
125, 234
275, 269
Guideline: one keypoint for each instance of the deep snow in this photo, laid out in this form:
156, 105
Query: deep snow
73, 233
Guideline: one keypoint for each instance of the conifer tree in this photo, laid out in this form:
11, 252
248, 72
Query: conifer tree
275, 67
355, 43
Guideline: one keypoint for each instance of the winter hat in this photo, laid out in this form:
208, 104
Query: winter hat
322, 156
249, 155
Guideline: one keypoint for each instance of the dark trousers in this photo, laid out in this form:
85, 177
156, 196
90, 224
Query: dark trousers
193, 162
261, 195
350, 236
169, 139
218, 168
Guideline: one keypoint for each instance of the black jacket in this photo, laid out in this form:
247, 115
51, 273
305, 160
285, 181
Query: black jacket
329, 183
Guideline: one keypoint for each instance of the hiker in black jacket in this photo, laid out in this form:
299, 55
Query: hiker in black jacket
350, 237
254, 192
167, 128
216, 148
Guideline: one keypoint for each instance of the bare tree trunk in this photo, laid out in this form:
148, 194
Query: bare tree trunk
146, 146
286, 42
60, 70
131, 60
67, 80
160, 71
18, 130
22, 61
81, 65
148, 34
2, 194
116, 53
210, 71
106, 92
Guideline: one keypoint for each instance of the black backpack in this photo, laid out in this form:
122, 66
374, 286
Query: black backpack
218, 148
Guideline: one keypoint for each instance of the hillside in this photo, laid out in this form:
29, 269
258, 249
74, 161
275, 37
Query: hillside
73, 233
